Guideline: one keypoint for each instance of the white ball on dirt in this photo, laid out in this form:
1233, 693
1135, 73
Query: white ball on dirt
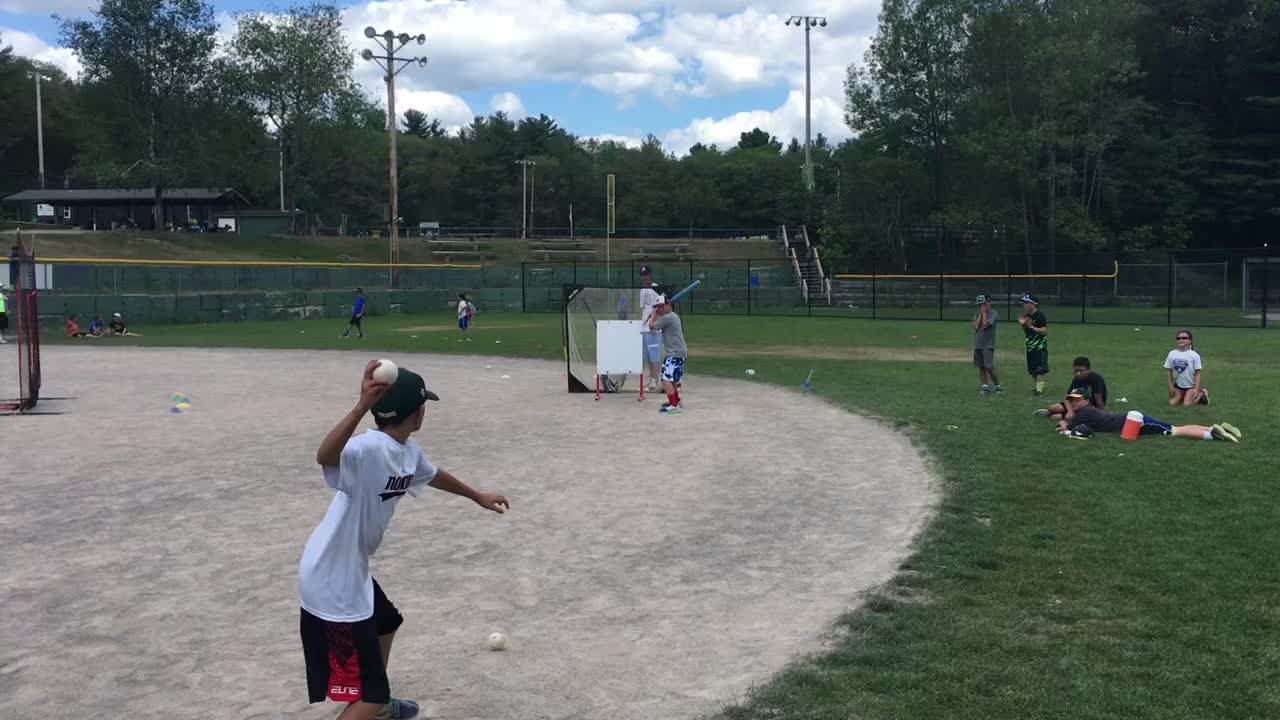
386, 372
750, 371
497, 641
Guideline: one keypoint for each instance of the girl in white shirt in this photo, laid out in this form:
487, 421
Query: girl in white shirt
1183, 366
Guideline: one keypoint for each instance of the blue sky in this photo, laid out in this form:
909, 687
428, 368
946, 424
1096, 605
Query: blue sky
693, 71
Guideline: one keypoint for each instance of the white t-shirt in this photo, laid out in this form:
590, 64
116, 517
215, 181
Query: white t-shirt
375, 472
1184, 365
648, 299
465, 308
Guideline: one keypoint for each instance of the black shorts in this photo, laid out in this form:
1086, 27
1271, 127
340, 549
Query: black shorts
355, 320
344, 660
4, 321
1038, 362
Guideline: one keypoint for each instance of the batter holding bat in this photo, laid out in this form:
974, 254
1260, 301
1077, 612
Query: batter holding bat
668, 323
348, 624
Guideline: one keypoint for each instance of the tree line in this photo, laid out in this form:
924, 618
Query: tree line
1033, 126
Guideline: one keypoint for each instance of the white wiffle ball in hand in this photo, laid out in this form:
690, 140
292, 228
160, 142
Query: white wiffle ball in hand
497, 641
386, 372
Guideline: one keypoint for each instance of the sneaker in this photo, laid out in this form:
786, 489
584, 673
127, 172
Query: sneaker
398, 709
1204, 397
671, 410
1232, 429
985, 391
999, 390
1042, 412
1220, 433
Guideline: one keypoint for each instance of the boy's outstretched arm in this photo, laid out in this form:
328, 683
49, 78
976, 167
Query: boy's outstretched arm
330, 452
445, 481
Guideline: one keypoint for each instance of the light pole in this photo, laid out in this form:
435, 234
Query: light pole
39, 125
807, 22
391, 43
524, 201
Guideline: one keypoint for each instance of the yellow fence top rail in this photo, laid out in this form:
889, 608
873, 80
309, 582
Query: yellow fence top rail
1115, 272
254, 263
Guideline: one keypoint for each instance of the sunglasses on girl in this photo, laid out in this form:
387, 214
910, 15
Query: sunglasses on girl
1184, 337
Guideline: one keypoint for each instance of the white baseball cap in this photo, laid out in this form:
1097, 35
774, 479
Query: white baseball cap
115, 314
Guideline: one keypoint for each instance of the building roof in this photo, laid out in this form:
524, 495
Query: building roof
55, 196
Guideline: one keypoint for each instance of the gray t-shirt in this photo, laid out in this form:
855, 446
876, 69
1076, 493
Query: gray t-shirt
985, 338
672, 335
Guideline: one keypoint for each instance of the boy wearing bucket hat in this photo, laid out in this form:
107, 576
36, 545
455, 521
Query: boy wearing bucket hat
348, 624
1036, 327
1081, 414
984, 345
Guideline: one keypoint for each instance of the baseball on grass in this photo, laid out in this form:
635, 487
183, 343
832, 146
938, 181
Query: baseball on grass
750, 371
497, 641
386, 372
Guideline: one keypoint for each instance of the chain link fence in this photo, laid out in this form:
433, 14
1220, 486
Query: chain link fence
1219, 288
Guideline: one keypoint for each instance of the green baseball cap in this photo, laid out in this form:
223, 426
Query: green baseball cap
403, 398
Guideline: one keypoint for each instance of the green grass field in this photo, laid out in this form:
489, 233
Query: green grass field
1058, 578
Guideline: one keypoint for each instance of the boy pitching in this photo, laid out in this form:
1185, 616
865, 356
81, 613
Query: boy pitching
348, 624
357, 316
466, 311
666, 321
1036, 326
984, 345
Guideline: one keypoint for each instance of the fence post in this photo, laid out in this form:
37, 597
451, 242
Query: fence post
1084, 290
1266, 280
873, 289
748, 287
691, 277
575, 271
1008, 293
1169, 288
942, 282
522, 293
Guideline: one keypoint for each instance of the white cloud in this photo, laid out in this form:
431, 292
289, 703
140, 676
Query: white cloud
631, 141
785, 122
509, 103
451, 110
47, 7
500, 43
33, 47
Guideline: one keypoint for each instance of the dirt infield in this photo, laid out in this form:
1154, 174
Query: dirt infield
651, 567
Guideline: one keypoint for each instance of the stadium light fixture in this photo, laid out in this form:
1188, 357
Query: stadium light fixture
389, 43
807, 22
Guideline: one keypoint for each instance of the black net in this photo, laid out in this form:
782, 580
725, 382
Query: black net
23, 316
